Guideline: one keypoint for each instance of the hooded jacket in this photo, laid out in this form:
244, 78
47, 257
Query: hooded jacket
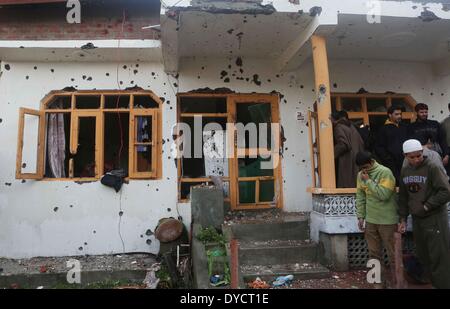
423, 185
375, 197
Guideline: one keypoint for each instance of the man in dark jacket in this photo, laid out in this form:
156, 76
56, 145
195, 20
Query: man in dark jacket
423, 126
389, 141
424, 193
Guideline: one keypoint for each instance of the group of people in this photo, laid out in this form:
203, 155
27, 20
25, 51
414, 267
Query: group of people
414, 158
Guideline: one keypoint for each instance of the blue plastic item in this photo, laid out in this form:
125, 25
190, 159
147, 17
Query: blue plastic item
282, 280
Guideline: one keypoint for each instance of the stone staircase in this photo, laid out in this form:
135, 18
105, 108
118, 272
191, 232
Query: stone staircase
271, 249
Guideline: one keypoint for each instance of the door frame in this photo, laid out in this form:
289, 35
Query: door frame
232, 101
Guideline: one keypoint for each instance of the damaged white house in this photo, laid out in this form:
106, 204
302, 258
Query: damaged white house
81, 100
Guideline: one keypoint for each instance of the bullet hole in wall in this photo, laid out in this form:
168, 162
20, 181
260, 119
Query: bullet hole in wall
80, 248
135, 71
24, 181
169, 209
35, 67
239, 61
226, 80
52, 70
8, 184
72, 79
142, 236
84, 76
120, 213
85, 243
149, 241
89, 78
55, 209
71, 206
7, 67
27, 77
107, 74
125, 67
24, 165
94, 232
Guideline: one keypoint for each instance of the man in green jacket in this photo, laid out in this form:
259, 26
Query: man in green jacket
424, 193
376, 209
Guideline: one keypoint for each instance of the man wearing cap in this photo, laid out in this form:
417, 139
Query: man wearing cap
424, 193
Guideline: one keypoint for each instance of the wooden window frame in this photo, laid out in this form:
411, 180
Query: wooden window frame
364, 113
40, 144
99, 114
233, 198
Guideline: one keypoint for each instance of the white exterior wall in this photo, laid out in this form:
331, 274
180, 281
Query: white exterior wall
28, 224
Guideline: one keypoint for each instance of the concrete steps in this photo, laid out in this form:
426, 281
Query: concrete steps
277, 252
293, 230
268, 273
271, 249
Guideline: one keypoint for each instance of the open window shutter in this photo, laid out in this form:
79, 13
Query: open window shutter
314, 148
137, 150
30, 144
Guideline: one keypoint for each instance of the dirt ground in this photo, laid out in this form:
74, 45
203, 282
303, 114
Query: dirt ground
88, 263
355, 279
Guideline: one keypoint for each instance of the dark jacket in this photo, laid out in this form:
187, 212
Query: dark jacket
347, 143
423, 185
389, 146
422, 130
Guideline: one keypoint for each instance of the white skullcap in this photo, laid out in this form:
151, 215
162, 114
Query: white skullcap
412, 145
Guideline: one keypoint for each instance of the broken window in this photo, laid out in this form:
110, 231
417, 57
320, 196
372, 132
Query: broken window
205, 159
83, 135
249, 177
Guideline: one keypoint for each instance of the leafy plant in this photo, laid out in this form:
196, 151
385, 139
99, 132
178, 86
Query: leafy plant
210, 234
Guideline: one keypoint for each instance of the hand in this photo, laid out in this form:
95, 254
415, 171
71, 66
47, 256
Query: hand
445, 160
402, 227
361, 225
364, 175
425, 207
